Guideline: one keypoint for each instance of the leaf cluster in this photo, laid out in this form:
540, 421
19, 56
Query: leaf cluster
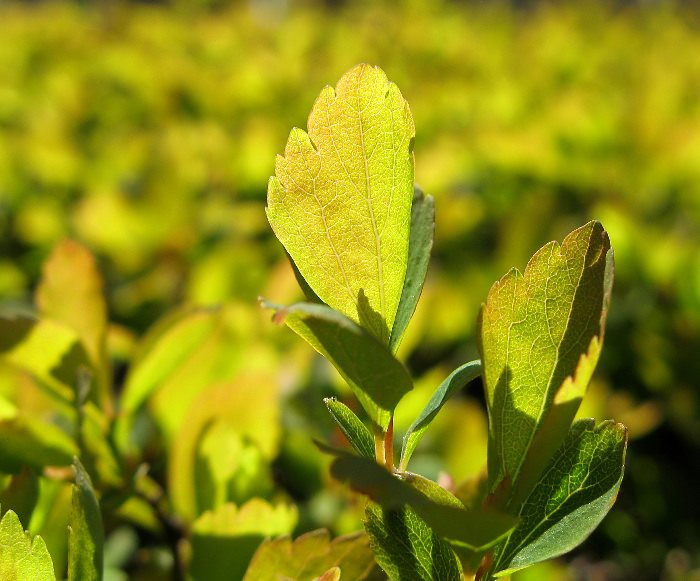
359, 238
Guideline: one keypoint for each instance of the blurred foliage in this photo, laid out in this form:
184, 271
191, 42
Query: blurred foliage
147, 133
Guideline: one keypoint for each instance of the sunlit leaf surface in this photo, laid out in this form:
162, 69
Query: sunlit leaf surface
340, 200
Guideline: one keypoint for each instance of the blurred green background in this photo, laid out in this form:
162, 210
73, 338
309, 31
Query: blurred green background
147, 132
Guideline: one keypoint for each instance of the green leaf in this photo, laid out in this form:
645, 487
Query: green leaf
47, 349
376, 377
27, 441
71, 292
166, 346
407, 548
574, 493
310, 555
340, 200
86, 534
355, 431
477, 529
22, 493
534, 329
419, 247
454, 382
224, 444
224, 541
21, 557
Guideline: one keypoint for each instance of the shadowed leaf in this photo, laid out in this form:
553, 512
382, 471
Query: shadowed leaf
86, 534
572, 496
444, 514
355, 431
407, 548
376, 377
419, 247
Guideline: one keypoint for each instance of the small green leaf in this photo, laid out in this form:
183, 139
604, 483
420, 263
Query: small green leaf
224, 540
311, 555
340, 200
574, 493
533, 330
477, 529
21, 557
376, 377
454, 382
355, 431
407, 548
419, 246
86, 534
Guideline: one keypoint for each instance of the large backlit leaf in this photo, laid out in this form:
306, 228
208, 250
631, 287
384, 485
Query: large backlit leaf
574, 493
21, 557
534, 330
444, 514
419, 247
376, 377
454, 382
86, 535
310, 555
340, 200
224, 541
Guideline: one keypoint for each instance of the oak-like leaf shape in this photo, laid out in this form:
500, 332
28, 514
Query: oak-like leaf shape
22, 557
574, 493
310, 556
340, 199
537, 331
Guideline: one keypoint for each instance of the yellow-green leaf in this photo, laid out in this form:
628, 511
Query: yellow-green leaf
71, 292
224, 541
311, 555
86, 534
340, 200
534, 329
21, 557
